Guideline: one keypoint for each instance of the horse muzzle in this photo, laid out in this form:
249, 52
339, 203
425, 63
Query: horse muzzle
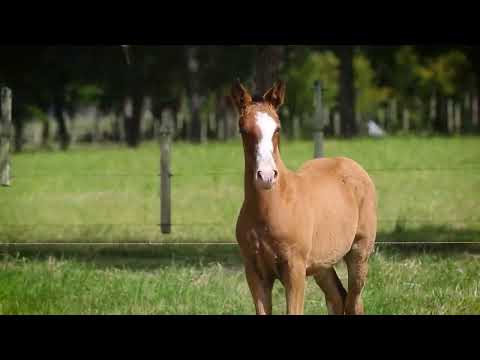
266, 178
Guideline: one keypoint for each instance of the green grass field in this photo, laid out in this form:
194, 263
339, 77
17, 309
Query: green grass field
108, 194
112, 194
397, 284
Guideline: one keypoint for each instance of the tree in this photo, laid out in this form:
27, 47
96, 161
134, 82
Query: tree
193, 91
19, 70
267, 66
347, 90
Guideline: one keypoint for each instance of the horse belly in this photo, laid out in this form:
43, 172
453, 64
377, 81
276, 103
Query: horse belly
336, 222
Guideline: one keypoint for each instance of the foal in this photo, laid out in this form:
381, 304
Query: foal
294, 225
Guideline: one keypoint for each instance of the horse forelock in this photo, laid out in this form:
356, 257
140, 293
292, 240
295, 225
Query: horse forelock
260, 107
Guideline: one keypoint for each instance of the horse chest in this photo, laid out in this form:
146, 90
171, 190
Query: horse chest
268, 249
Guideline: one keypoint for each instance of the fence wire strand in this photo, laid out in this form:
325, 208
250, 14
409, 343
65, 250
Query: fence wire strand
220, 173
425, 222
156, 243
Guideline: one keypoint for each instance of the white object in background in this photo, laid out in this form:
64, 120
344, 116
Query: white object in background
375, 130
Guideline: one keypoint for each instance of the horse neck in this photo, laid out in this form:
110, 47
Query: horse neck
261, 202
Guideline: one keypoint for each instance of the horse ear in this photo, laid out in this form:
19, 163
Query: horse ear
276, 95
240, 96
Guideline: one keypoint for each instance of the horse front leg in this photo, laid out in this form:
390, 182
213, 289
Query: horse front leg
294, 279
261, 290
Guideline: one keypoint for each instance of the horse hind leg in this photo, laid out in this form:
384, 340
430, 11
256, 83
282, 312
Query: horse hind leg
334, 291
357, 259
357, 265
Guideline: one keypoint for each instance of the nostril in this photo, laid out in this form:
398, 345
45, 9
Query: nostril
275, 173
259, 175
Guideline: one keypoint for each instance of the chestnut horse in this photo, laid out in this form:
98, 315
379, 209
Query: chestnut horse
298, 224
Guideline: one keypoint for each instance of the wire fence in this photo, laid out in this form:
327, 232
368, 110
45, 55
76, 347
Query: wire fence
417, 221
414, 221
240, 173
157, 243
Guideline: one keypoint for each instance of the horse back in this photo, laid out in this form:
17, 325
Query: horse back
341, 170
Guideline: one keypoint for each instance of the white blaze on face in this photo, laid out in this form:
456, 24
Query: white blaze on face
265, 161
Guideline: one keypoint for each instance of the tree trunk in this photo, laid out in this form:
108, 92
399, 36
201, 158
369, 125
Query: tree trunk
347, 91
267, 66
133, 119
18, 125
18, 140
46, 132
59, 108
195, 120
117, 124
194, 95
474, 55
135, 90
231, 121
476, 98
440, 124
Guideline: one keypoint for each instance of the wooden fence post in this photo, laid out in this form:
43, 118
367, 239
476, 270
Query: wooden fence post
326, 116
361, 126
295, 127
458, 118
432, 111
475, 111
450, 116
392, 117
318, 127
337, 124
406, 120
166, 131
203, 118
381, 117
466, 112
5, 135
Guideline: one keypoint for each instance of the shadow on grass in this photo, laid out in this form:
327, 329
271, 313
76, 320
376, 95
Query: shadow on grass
438, 239
403, 242
133, 257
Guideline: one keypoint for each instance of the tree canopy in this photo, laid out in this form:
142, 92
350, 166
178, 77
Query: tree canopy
356, 80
